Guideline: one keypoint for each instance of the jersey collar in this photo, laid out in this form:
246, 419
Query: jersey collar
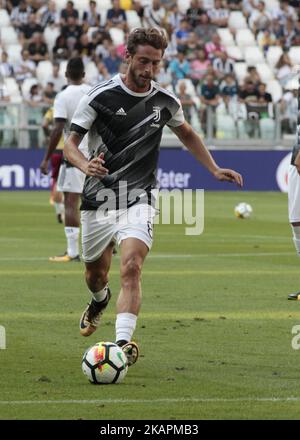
119, 80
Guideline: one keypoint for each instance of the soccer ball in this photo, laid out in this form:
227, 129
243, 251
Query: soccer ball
104, 362
243, 210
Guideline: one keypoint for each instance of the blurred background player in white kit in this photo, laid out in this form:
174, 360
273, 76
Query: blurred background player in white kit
70, 180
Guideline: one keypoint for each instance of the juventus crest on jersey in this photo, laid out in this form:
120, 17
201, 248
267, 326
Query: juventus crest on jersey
127, 127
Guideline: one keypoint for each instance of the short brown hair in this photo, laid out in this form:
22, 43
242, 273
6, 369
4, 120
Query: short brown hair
153, 37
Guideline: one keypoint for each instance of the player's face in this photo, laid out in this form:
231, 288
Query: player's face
143, 66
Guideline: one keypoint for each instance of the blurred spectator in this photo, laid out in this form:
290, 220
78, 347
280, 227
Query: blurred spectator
35, 114
49, 94
179, 68
174, 17
183, 35
266, 39
113, 61
37, 49
218, 15
228, 86
155, 15
260, 19
210, 92
263, 97
91, 17
27, 30
6, 68
84, 48
103, 73
56, 79
284, 12
103, 49
116, 16
20, 14
72, 32
139, 9
4, 95
48, 15
25, 68
164, 77
222, 64
249, 6
283, 69
61, 50
248, 92
67, 12
199, 66
193, 43
214, 47
194, 12
234, 5
289, 111
186, 100
252, 76
205, 30
289, 33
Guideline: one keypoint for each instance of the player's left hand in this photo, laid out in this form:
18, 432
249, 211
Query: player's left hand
225, 174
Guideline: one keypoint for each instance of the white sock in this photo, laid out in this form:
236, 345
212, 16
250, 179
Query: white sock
296, 238
101, 295
125, 326
59, 208
72, 235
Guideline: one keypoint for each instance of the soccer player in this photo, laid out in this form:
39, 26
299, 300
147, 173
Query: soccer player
70, 179
125, 117
294, 196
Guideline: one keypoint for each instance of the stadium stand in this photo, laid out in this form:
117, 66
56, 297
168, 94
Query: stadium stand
271, 44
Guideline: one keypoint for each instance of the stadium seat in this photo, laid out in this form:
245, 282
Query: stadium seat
4, 18
8, 36
240, 70
13, 90
14, 52
237, 21
275, 89
265, 72
225, 127
267, 128
226, 36
133, 20
292, 84
253, 55
272, 5
117, 35
63, 67
43, 70
27, 83
183, 5
244, 37
294, 54
273, 55
235, 53
50, 36
91, 72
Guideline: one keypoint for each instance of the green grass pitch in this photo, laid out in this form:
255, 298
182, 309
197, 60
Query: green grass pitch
215, 328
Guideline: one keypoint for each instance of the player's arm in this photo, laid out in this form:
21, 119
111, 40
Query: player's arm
94, 167
194, 144
296, 158
55, 136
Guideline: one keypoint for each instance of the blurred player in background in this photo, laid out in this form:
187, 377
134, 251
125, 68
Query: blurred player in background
56, 197
294, 194
125, 117
70, 180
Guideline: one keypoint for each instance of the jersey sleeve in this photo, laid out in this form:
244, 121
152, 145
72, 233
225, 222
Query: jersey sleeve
60, 108
177, 118
84, 115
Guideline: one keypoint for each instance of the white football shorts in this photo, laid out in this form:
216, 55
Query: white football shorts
100, 228
70, 179
294, 194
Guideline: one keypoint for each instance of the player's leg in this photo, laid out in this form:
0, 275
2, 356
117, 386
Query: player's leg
96, 275
58, 200
133, 254
294, 213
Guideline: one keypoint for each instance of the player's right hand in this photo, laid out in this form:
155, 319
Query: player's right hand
44, 166
95, 167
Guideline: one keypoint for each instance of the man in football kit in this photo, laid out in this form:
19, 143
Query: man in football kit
70, 179
125, 117
294, 195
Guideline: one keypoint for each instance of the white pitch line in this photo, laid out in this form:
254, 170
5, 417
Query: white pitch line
175, 256
139, 401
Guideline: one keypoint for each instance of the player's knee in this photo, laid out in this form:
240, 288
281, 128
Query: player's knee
131, 271
96, 280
